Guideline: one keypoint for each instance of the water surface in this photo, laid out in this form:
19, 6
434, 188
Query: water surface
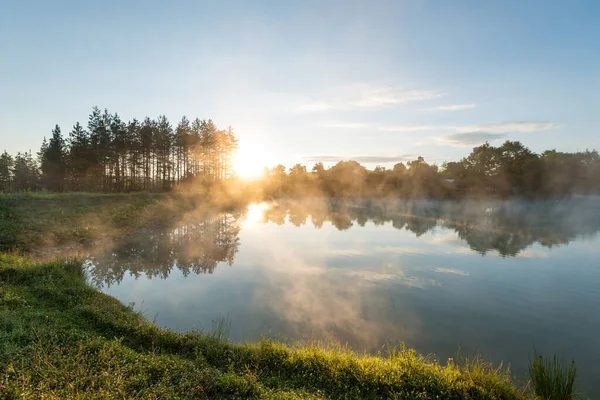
471, 277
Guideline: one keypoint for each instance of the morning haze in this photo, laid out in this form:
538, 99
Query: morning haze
318, 199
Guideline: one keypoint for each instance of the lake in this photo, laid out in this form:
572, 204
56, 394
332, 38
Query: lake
453, 278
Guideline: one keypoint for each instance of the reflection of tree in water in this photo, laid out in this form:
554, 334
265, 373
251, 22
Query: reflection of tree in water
507, 227
194, 247
512, 227
199, 246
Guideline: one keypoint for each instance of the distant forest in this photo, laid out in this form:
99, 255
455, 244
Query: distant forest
111, 155
510, 170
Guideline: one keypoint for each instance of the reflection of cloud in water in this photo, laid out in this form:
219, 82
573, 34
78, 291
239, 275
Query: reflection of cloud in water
347, 252
319, 307
335, 304
451, 271
449, 238
532, 253
373, 276
399, 250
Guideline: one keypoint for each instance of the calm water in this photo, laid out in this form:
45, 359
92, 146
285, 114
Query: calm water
494, 278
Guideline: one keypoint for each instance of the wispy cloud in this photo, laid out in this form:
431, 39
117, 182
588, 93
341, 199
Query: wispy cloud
360, 159
461, 136
499, 127
454, 107
345, 125
366, 96
411, 128
318, 106
470, 138
517, 126
475, 134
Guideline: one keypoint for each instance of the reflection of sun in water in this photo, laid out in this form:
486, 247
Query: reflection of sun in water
256, 212
250, 160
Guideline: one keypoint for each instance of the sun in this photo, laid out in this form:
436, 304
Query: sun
249, 161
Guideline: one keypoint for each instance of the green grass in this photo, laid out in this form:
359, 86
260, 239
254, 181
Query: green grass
30, 221
551, 378
44, 195
62, 338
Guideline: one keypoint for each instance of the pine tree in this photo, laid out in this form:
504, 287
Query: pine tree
25, 173
53, 159
118, 153
195, 148
79, 162
146, 142
6, 167
164, 140
133, 154
182, 133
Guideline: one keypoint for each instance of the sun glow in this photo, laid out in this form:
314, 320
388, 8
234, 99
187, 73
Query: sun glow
250, 161
256, 212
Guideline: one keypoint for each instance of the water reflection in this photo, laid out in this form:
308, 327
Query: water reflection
506, 227
366, 273
192, 247
199, 246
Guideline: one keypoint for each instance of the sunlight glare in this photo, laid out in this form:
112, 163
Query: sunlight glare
256, 212
249, 161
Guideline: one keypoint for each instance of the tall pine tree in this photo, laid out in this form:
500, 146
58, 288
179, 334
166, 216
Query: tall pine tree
53, 162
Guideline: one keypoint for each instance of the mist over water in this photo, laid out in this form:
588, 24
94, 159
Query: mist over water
445, 277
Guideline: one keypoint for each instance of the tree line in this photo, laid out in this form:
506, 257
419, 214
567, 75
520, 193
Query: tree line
110, 155
504, 171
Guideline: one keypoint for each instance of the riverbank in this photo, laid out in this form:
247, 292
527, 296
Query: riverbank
30, 221
64, 339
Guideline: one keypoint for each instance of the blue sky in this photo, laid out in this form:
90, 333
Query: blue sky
299, 81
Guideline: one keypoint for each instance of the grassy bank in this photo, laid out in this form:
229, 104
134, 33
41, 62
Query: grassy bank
63, 339
41, 220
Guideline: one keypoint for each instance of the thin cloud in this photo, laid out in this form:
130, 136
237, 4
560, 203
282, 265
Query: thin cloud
517, 126
346, 125
317, 106
387, 97
360, 159
500, 127
471, 138
366, 96
466, 136
455, 107
412, 128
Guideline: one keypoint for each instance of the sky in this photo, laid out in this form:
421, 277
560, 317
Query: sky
304, 81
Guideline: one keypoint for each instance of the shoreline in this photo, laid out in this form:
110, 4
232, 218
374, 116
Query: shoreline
66, 339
